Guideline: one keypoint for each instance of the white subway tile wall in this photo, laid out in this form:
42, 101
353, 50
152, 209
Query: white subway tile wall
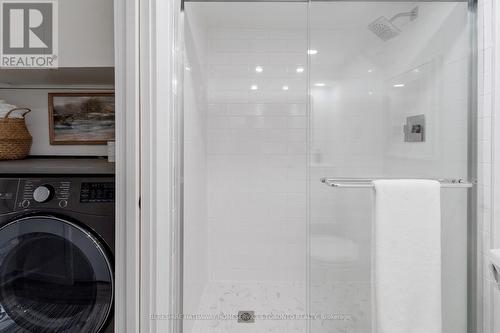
256, 150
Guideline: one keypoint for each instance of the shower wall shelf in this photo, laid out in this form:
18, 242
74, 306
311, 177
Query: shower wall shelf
367, 183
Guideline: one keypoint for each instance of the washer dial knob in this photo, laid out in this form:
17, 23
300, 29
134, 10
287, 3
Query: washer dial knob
43, 193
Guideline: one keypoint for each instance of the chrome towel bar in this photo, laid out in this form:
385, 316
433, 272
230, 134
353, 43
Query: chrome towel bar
366, 183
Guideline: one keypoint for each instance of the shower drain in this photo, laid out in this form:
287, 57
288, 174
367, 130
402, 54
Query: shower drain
246, 316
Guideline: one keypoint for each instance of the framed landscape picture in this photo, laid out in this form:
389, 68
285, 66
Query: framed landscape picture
81, 118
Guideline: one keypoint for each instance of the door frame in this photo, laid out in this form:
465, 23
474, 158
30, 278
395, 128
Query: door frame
146, 67
127, 264
160, 54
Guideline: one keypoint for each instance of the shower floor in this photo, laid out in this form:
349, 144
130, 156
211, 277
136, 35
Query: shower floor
227, 298
346, 304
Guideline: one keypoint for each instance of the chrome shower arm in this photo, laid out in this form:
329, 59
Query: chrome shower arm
413, 15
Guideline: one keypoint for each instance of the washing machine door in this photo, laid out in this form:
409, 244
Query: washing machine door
54, 277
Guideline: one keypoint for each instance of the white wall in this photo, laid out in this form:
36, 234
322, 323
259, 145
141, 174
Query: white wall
257, 154
431, 58
86, 33
358, 117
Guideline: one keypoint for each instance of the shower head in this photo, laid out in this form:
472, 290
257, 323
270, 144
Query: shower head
385, 29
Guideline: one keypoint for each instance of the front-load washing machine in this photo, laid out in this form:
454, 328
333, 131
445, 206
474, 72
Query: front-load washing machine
57, 239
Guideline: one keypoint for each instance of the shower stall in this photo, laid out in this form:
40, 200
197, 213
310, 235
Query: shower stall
290, 109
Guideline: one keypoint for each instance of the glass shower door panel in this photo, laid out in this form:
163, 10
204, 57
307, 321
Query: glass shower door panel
389, 94
245, 163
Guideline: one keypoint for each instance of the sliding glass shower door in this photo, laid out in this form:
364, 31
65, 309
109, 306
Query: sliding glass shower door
290, 110
389, 98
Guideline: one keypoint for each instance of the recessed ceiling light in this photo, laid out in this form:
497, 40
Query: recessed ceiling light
188, 68
319, 84
254, 87
399, 85
370, 71
259, 69
285, 87
416, 70
300, 69
312, 52
370, 93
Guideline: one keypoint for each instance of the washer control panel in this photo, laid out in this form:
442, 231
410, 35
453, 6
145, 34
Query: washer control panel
8, 193
93, 192
84, 194
90, 195
44, 192
77, 194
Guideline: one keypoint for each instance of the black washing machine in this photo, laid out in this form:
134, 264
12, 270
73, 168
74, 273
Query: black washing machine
57, 237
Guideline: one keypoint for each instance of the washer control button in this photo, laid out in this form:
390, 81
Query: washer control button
63, 203
43, 193
25, 203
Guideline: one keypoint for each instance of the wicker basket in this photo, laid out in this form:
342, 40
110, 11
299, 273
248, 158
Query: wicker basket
15, 140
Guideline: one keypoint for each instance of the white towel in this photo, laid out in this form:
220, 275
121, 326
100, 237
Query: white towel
407, 256
5, 107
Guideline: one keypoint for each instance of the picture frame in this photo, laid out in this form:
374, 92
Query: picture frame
81, 118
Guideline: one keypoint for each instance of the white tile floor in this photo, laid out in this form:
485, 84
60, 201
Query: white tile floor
348, 302
227, 298
347, 306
